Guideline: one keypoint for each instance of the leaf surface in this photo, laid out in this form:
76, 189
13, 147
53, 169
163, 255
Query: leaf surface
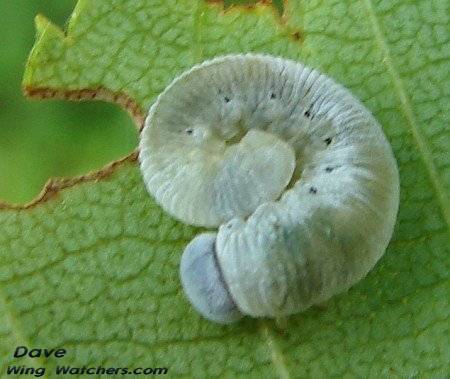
92, 266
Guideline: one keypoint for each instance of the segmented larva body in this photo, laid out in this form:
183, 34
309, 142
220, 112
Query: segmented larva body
296, 174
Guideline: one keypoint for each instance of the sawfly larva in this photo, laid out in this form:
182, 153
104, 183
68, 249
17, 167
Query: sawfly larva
294, 172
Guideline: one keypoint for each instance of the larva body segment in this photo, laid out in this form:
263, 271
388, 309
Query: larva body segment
320, 210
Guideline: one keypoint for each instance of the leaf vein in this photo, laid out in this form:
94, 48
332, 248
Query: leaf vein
275, 353
408, 112
16, 330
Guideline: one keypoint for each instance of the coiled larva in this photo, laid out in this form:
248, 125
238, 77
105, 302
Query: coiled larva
294, 171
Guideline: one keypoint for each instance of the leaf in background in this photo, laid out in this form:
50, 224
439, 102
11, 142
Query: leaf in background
93, 265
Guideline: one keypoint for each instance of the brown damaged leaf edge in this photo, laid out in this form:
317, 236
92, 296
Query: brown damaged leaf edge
294, 34
101, 94
54, 186
250, 7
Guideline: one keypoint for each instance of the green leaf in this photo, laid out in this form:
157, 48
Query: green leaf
92, 266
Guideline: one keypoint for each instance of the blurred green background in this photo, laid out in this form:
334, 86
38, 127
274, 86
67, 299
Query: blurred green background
44, 139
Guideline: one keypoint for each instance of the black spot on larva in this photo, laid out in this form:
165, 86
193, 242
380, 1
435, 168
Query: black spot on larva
313, 190
273, 96
328, 140
329, 169
227, 99
189, 131
307, 114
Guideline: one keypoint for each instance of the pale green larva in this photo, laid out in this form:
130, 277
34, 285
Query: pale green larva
296, 174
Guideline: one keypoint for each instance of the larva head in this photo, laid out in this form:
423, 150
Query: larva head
205, 155
203, 283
